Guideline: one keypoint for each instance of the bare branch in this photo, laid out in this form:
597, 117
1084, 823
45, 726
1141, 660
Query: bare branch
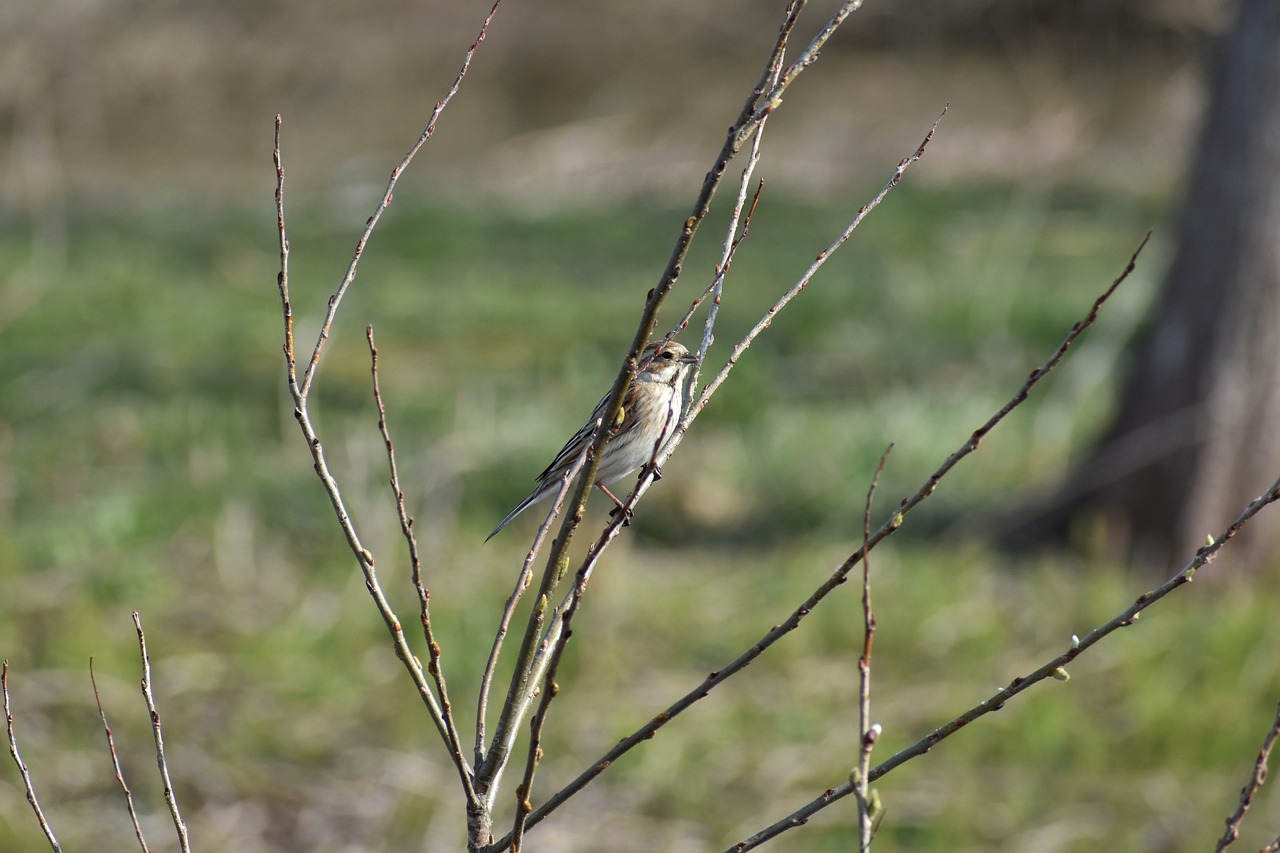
22, 765
452, 738
803, 282
438, 708
170, 798
732, 239
115, 761
773, 98
1054, 668
1256, 779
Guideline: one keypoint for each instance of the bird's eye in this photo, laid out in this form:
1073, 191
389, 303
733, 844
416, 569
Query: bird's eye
668, 355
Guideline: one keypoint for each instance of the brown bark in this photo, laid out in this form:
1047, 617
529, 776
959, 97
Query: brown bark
1197, 434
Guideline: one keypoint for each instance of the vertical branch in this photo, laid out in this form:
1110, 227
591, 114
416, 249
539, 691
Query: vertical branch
321, 466
1256, 779
22, 765
867, 733
161, 762
732, 238
282, 277
115, 761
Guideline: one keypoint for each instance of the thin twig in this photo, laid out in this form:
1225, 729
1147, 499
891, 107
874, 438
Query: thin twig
115, 761
453, 740
804, 280
867, 734
773, 98
837, 578
733, 239
549, 690
170, 798
22, 765
1256, 779
1054, 668
282, 277
336, 299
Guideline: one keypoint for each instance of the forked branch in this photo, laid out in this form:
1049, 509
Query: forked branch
1054, 668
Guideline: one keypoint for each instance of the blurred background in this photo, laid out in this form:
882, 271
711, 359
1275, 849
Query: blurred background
149, 460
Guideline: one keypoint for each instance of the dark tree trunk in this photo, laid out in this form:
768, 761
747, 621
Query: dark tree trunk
1197, 434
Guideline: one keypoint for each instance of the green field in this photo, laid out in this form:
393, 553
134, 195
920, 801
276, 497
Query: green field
149, 461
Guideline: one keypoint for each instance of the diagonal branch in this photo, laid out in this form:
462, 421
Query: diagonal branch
803, 282
1052, 669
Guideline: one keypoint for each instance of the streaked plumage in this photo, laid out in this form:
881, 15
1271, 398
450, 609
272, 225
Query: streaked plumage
650, 411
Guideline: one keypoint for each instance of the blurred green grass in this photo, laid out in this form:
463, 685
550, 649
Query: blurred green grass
151, 463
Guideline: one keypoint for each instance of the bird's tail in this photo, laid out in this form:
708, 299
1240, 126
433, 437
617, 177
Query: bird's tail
534, 496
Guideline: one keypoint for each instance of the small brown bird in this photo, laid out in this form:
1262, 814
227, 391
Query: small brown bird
650, 411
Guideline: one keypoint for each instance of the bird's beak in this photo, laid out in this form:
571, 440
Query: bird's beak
689, 358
